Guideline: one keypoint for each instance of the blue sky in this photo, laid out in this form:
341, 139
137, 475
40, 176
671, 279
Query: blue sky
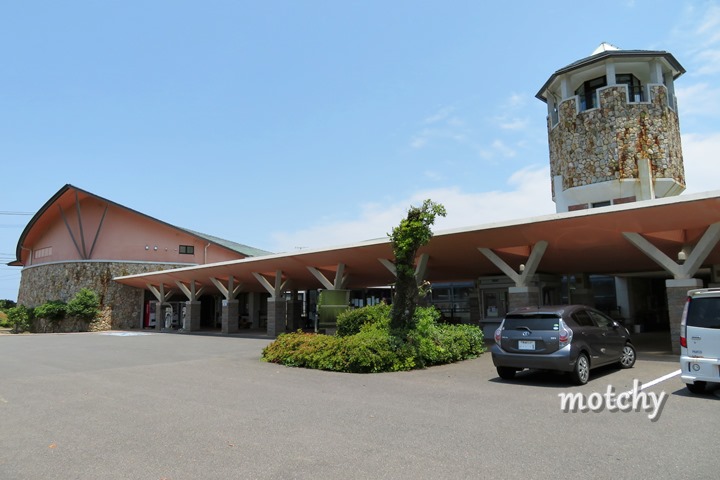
287, 124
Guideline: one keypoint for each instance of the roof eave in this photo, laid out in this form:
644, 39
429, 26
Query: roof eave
599, 57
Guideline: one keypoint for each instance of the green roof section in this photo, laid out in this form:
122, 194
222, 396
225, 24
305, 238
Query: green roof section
237, 247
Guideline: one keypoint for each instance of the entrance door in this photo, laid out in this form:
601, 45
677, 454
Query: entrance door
494, 305
494, 308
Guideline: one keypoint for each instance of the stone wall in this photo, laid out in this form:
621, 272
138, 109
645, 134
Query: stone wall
61, 281
606, 143
101, 323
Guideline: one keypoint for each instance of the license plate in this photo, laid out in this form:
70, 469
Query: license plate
526, 344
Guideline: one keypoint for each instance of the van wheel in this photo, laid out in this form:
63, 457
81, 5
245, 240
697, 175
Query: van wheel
627, 358
697, 387
506, 373
581, 374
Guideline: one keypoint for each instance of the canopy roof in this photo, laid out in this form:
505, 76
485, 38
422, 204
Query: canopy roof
589, 241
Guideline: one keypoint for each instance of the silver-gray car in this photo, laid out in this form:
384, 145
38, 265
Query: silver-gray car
564, 338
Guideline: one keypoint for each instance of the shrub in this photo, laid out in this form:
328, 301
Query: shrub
53, 310
372, 350
301, 350
84, 305
20, 317
349, 322
4, 320
374, 347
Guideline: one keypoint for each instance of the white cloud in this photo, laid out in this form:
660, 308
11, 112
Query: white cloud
710, 60
516, 101
420, 140
528, 195
698, 99
433, 175
710, 24
699, 31
441, 125
500, 147
442, 114
513, 123
701, 154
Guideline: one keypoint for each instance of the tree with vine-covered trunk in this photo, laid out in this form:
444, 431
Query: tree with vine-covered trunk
412, 233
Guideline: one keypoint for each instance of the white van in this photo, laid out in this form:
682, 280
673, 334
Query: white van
700, 339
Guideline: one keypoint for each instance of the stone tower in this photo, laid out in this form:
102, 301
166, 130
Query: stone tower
613, 129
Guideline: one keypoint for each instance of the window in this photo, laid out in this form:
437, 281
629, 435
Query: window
554, 116
582, 318
43, 252
536, 321
704, 312
601, 320
187, 250
635, 90
606, 203
587, 90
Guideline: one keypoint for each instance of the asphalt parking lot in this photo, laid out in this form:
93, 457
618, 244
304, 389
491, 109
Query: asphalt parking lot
169, 406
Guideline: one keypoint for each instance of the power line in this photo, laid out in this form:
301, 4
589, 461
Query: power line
16, 213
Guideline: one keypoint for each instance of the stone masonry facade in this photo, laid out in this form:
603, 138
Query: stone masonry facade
606, 143
61, 281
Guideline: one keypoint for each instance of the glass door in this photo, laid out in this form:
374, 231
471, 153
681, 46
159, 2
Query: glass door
494, 305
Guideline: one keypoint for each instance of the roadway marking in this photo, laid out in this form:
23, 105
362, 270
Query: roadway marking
658, 380
125, 334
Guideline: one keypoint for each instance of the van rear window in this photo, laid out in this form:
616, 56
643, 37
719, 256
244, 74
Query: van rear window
704, 312
537, 321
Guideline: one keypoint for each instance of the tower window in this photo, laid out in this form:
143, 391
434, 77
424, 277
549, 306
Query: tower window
635, 89
187, 250
554, 116
587, 90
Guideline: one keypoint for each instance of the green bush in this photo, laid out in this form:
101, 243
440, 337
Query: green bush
85, 305
4, 320
301, 350
5, 304
53, 310
20, 317
438, 343
350, 321
372, 350
374, 347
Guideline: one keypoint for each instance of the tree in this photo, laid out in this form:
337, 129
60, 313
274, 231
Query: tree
85, 304
6, 304
407, 238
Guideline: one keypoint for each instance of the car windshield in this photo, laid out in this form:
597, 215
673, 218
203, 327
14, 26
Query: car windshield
535, 321
704, 312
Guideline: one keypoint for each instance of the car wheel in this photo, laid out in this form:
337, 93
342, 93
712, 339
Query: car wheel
506, 373
697, 387
581, 374
627, 358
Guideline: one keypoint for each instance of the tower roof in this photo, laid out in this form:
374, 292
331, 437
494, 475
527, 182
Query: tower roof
606, 51
604, 47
